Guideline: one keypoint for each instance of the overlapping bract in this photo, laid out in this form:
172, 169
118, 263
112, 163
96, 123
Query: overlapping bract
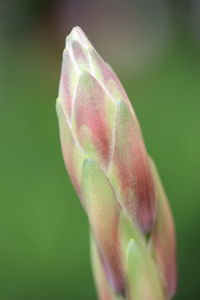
107, 162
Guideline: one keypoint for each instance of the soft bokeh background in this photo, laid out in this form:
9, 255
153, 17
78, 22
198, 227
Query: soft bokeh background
154, 47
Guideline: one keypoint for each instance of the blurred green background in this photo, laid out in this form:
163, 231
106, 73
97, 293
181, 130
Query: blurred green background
154, 47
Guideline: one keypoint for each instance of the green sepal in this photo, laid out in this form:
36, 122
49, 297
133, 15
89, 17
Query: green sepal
142, 275
103, 213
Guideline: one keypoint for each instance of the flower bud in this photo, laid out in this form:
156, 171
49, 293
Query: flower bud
108, 164
104, 127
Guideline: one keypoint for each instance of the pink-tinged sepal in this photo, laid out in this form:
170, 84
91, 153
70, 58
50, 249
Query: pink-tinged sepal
129, 170
68, 82
103, 213
100, 69
79, 55
162, 241
72, 153
93, 112
103, 289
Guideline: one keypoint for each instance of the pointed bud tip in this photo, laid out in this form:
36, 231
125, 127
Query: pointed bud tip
78, 35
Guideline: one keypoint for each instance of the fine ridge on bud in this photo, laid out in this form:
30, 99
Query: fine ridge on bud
106, 159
